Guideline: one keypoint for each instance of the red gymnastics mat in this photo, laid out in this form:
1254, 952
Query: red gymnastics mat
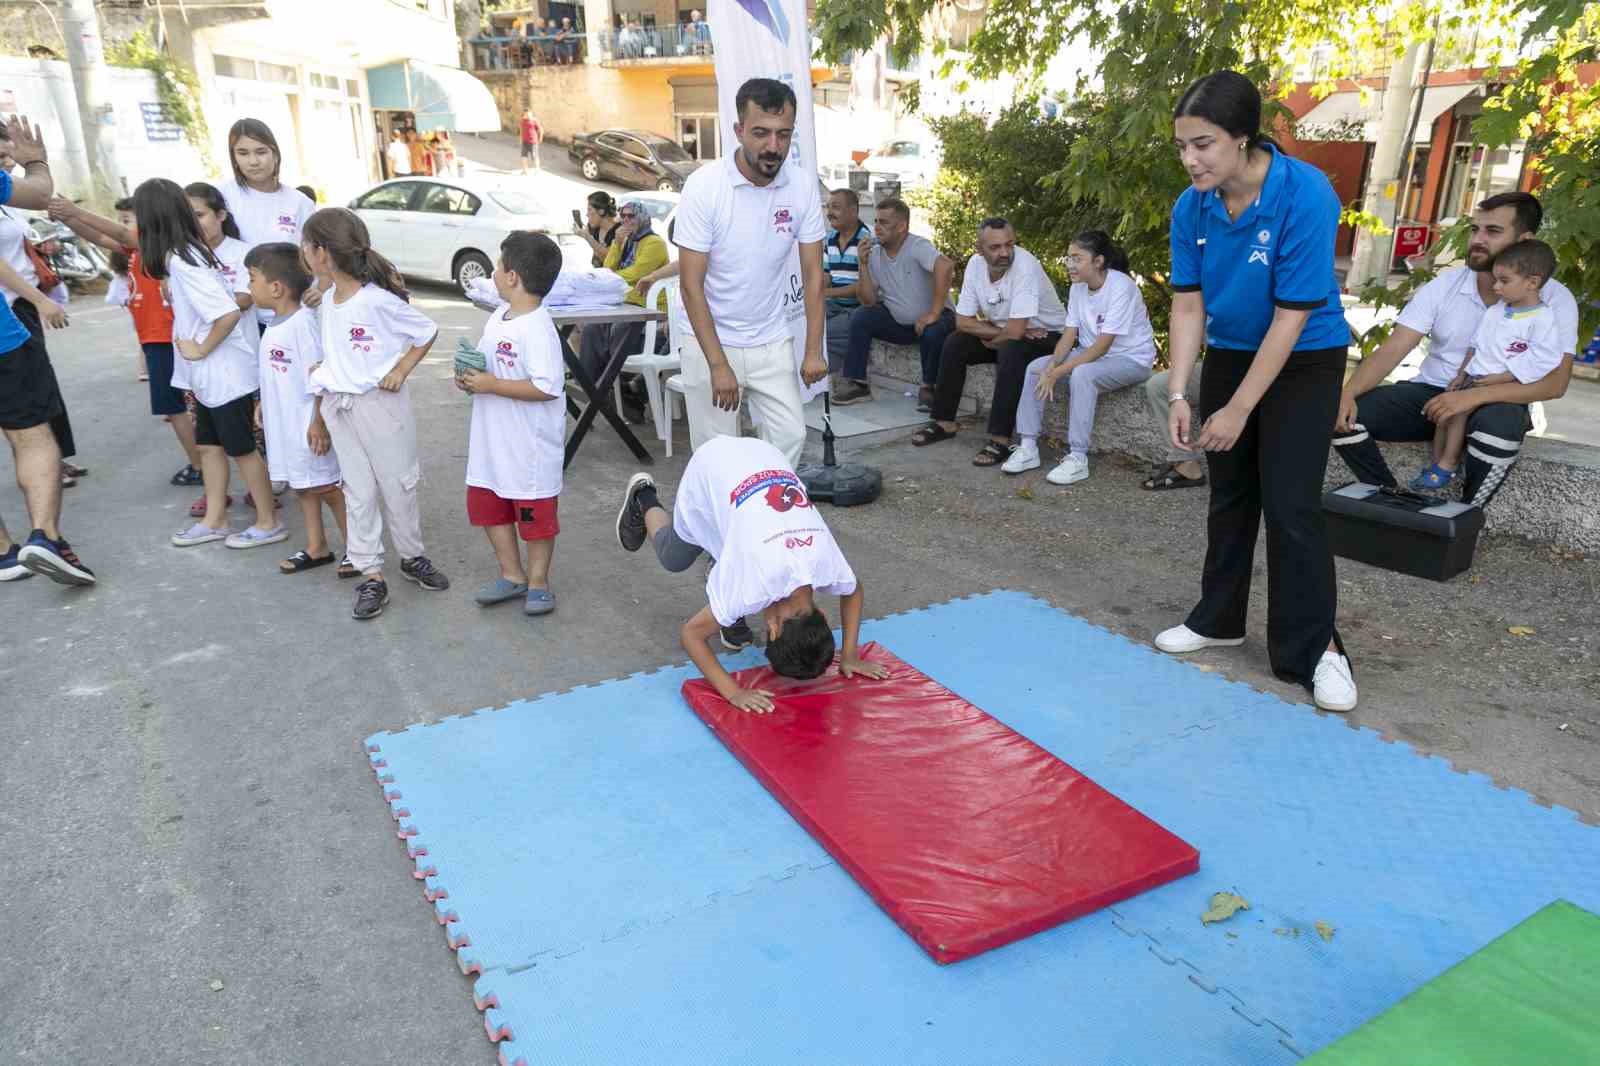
967, 833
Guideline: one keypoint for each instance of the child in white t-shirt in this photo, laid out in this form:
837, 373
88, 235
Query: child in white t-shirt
1109, 326
372, 339
290, 347
1518, 340
741, 502
516, 441
216, 362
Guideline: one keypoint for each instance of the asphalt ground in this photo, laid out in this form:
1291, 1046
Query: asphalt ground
201, 868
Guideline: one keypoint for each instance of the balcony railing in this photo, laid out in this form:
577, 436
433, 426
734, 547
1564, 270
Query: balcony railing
680, 43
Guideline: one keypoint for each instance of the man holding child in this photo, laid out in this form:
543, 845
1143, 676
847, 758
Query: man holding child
1448, 311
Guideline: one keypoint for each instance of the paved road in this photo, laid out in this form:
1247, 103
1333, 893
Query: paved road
183, 798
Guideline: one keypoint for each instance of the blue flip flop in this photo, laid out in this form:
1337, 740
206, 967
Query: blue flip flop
539, 601
1432, 479
499, 591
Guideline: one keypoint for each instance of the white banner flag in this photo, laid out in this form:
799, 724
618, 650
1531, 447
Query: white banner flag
770, 39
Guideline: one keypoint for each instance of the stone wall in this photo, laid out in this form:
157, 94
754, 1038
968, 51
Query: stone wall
1552, 497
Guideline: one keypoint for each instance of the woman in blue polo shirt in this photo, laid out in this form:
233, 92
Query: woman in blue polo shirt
1252, 273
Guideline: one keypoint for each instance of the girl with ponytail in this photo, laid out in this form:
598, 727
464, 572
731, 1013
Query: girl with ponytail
1109, 326
372, 339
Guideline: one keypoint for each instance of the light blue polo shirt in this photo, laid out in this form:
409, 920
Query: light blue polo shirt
13, 334
1279, 253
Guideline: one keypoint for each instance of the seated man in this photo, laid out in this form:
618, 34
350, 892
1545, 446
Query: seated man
904, 289
1447, 311
840, 261
1009, 314
740, 501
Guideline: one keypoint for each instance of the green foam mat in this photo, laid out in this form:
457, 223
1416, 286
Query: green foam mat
1532, 996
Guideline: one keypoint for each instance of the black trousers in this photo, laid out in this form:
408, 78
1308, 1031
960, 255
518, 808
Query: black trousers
1394, 413
1010, 360
1275, 469
60, 425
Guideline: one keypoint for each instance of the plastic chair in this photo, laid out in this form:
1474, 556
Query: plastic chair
654, 367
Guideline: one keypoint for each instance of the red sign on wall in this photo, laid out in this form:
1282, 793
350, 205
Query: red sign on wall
1410, 240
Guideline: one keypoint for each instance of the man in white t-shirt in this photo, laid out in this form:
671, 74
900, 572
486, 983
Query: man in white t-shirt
741, 502
1447, 310
737, 224
398, 156
1009, 314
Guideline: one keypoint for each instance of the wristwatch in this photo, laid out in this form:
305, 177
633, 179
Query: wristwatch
1175, 397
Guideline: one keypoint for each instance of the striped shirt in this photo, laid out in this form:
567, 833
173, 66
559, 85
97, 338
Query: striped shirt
843, 266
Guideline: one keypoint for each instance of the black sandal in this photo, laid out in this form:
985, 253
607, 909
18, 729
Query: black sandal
300, 562
992, 454
1169, 478
932, 433
347, 569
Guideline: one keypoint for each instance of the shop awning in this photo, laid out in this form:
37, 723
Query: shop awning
439, 97
1344, 117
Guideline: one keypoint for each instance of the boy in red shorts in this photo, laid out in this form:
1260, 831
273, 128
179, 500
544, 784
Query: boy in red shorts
516, 444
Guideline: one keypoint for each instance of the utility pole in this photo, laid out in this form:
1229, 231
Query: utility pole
1382, 194
86, 55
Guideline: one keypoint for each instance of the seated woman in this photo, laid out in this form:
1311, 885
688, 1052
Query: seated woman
1108, 325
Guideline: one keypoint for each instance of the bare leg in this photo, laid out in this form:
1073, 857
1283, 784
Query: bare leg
1448, 442
504, 541
254, 471
38, 462
539, 554
311, 514
214, 474
183, 429
334, 498
6, 542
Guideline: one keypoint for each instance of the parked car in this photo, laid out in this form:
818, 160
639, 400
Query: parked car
634, 158
444, 230
904, 160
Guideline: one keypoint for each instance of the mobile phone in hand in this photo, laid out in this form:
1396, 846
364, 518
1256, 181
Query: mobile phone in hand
577, 219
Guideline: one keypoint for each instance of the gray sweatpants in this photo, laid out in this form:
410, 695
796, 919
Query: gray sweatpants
1157, 391
375, 437
1084, 386
675, 553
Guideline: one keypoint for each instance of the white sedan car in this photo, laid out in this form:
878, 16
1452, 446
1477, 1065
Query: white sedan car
439, 229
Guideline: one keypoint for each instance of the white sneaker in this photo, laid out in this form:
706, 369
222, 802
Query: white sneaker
1333, 687
1026, 457
1073, 468
1181, 639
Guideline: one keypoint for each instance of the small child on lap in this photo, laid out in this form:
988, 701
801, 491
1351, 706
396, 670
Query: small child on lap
1518, 340
516, 443
298, 448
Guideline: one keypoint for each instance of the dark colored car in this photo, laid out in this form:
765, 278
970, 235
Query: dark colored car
634, 158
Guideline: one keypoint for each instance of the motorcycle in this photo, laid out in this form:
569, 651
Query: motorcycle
73, 259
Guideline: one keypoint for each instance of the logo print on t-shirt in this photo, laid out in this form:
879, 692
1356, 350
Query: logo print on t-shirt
278, 359
786, 497
505, 353
780, 488
360, 339
799, 542
1258, 255
1264, 236
1516, 347
782, 221
286, 223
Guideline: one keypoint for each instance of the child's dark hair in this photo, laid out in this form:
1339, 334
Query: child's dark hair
1530, 258
119, 259
1228, 99
535, 258
256, 130
1098, 243
280, 261
803, 648
341, 233
212, 198
307, 191
167, 226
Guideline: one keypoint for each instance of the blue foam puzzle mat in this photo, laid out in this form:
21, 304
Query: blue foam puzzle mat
631, 893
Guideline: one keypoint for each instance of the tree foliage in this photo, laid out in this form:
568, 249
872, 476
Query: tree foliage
1118, 164
177, 87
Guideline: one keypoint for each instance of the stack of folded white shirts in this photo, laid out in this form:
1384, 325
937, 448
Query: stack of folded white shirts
586, 290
